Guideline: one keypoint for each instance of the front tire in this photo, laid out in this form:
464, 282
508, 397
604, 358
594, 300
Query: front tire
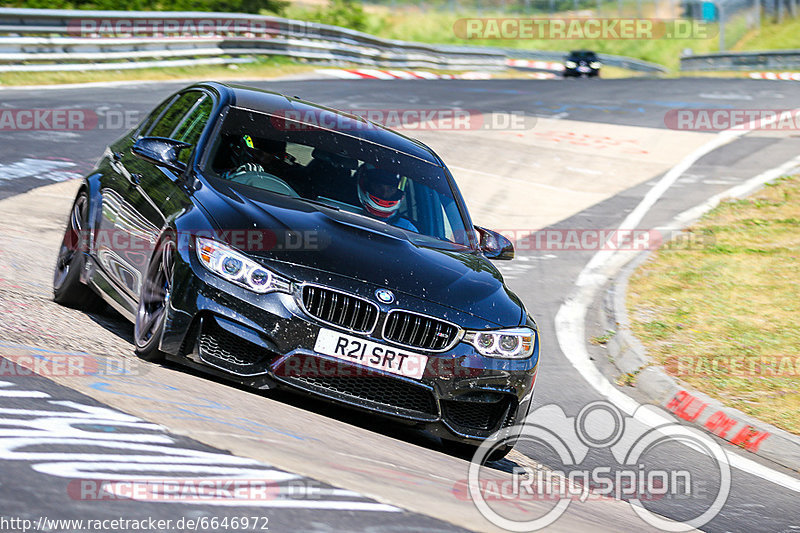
154, 302
68, 289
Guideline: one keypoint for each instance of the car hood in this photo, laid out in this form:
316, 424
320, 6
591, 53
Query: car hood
291, 232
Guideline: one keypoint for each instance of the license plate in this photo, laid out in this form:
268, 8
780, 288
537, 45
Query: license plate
370, 354
583, 69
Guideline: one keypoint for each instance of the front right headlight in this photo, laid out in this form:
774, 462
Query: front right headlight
233, 266
511, 343
570, 64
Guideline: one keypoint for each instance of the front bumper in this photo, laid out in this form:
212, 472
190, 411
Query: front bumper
268, 340
578, 72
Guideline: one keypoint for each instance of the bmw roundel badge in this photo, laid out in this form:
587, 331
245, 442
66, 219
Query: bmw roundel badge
384, 296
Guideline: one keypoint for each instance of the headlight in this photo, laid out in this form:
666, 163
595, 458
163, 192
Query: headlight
513, 343
570, 64
236, 268
595, 64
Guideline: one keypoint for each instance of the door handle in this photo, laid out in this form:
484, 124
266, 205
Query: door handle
117, 156
136, 179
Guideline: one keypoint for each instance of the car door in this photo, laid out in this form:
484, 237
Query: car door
164, 193
138, 196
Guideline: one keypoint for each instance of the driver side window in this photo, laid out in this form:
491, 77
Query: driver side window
191, 127
184, 120
170, 119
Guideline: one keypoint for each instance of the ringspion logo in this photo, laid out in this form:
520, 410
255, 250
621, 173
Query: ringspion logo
598, 454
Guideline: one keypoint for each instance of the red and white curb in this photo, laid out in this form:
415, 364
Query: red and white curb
788, 76
542, 65
374, 74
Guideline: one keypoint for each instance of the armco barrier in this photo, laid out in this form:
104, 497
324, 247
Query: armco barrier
34, 36
45, 39
745, 61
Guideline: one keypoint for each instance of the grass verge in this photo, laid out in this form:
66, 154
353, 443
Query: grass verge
722, 316
772, 36
269, 67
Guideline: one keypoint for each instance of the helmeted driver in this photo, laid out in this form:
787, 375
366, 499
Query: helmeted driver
270, 156
381, 193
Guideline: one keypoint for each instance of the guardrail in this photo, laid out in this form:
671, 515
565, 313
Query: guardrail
767, 60
607, 59
34, 37
53, 39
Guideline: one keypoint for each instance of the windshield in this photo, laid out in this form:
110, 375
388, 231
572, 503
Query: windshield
339, 171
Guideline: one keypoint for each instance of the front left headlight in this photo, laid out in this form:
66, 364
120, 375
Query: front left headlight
233, 266
595, 64
512, 343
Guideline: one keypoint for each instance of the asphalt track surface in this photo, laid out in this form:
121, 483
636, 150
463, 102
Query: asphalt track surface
541, 278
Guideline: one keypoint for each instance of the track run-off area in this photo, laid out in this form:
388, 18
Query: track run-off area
585, 155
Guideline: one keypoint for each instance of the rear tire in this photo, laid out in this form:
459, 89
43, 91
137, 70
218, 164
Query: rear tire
154, 302
68, 289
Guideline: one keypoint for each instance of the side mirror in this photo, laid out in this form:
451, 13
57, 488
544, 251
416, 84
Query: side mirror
161, 152
495, 246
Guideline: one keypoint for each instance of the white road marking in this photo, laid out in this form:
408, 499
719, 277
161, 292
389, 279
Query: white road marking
53, 437
38, 168
585, 171
571, 317
718, 95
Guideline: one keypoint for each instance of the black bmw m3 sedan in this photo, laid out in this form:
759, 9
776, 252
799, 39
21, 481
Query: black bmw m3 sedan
270, 241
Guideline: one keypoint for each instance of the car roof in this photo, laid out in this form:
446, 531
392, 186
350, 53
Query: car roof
581, 53
277, 103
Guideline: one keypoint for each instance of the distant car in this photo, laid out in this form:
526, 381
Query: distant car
582, 63
266, 240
